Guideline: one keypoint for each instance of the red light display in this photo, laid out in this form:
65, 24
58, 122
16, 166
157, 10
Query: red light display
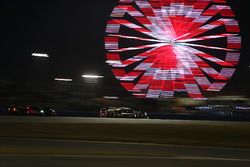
159, 47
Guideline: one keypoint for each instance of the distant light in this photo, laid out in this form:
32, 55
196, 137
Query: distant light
110, 97
92, 76
40, 55
63, 79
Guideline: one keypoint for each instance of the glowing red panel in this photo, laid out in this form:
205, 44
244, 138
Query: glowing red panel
159, 47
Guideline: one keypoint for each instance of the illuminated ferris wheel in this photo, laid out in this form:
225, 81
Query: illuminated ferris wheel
157, 48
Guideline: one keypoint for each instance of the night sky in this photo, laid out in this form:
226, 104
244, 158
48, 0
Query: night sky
72, 33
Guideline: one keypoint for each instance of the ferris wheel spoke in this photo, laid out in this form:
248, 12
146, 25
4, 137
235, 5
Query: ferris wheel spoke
149, 23
202, 29
154, 16
207, 47
208, 57
138, 47
196, 12
136, 38
199, 66
207, 37
164, 30
135, 27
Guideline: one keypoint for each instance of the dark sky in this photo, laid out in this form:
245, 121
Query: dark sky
72, 33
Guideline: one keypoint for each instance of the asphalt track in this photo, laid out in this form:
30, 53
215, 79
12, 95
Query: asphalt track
85, 120
109, 161
115, 154
74, 153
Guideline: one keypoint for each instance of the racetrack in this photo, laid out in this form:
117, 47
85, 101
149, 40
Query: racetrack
86, 120
72, 141
47, 152
179, 132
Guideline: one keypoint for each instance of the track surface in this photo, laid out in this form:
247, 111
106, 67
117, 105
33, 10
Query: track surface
113, 154
75, 120
31, 152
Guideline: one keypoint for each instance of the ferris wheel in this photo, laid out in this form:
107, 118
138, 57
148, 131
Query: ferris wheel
158, 48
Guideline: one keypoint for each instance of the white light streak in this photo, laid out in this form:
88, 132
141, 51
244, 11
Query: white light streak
40, 55
63, 79
207, 47
111, 97
92, 76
